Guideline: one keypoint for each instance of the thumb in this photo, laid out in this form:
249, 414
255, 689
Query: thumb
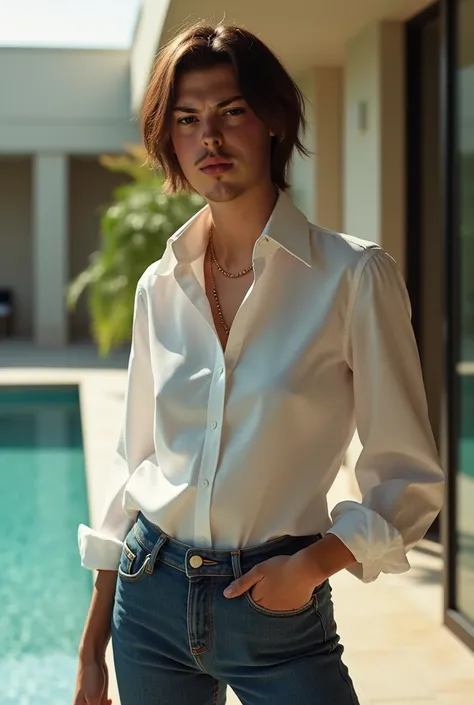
242, 584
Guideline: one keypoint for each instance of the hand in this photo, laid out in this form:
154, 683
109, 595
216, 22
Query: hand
279, 584
92, 684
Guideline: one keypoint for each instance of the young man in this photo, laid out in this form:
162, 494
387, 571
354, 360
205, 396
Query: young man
259, 342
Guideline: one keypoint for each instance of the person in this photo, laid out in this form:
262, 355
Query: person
260, 343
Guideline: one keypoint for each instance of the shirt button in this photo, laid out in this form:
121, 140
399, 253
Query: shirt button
214, 424
205, 483
195, 561
221, 370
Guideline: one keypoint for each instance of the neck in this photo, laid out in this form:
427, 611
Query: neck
238, 224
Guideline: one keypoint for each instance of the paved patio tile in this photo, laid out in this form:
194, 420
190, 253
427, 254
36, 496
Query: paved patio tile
397, 649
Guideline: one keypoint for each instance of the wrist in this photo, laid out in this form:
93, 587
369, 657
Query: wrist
92, 653
325, 558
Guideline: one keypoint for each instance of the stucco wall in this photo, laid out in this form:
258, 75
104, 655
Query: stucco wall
303, 169
316, 180
71, 100
374, 135
362, 147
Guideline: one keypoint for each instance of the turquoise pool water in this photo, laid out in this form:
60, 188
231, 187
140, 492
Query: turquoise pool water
44, 593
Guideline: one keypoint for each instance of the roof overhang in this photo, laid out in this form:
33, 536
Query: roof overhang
303, 33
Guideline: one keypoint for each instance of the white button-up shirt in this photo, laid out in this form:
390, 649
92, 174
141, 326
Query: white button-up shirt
230, 449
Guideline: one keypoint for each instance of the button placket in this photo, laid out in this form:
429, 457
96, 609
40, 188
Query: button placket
210, 456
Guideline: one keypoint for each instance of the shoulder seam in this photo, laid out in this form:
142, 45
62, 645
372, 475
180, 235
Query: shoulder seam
347, 238
369, 253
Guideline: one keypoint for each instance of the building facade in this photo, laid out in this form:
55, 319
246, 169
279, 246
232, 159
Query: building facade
60, 109
389, 88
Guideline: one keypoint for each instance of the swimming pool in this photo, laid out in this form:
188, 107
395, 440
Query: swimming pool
44, 593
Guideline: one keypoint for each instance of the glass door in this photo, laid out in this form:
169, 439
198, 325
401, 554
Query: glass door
464, 580
459, 251
424, 231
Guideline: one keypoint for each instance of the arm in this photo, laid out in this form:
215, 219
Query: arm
101, 549
92, 675
398, 471
96, 635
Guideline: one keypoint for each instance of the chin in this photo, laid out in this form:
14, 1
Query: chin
222, 192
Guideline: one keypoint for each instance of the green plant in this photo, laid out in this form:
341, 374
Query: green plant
134, 230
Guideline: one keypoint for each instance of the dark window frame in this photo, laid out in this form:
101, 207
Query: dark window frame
447, 12
453, 619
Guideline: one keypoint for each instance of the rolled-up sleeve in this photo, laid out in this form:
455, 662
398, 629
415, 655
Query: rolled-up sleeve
398, 471
100, 548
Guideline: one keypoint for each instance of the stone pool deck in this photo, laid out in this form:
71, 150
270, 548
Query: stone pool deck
397, 649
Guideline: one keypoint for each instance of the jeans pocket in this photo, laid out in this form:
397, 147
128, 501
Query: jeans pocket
280, 613
134, 559
312, 603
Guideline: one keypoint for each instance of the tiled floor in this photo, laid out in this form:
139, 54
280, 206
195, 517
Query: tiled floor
397, 650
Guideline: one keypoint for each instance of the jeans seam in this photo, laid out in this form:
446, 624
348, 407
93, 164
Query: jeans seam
194, 652
137, 536
169, 563
130, 554
208, 646
348, 683
321, 621
209, 615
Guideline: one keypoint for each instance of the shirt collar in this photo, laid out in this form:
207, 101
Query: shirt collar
287, 227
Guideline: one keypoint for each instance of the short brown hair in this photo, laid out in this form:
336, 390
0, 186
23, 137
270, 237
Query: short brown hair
265, 84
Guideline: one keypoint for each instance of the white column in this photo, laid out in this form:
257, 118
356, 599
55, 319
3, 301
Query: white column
50, 266
374, 165
316, 180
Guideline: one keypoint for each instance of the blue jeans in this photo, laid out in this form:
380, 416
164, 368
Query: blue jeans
178, 641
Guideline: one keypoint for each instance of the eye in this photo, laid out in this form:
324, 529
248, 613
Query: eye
188, 120
233, 112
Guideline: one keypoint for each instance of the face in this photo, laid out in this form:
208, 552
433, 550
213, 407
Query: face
222, 147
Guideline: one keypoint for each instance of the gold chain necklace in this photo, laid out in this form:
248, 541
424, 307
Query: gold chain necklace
214, 259
217, 302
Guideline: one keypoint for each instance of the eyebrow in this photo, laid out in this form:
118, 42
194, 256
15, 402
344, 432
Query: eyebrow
222, 104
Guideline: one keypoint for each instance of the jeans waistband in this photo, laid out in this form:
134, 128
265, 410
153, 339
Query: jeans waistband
196, 562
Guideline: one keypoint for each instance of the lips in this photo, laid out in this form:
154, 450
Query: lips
213, 169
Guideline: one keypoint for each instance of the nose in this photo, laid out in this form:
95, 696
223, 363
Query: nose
211, 136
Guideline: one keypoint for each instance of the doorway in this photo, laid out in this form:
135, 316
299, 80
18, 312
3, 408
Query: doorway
424, 231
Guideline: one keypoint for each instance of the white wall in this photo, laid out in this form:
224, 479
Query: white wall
76, 101
316, 180
303, 170
145, 47
362, 148
50, 248
374, 168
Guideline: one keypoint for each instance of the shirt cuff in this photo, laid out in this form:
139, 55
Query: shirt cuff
376, 545
98, 551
